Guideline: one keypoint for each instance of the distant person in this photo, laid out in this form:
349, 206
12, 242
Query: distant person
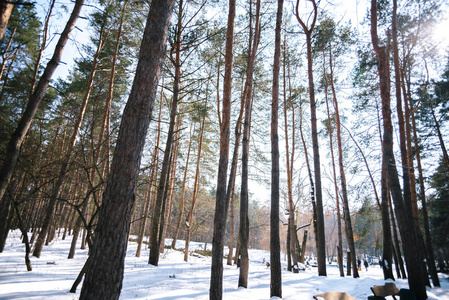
359, 264
365, 263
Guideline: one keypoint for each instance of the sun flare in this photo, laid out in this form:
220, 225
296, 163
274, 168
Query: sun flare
441, 32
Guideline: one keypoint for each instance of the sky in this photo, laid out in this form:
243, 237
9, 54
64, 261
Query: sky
53, 275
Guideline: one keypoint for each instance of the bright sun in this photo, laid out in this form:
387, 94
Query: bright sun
441, 33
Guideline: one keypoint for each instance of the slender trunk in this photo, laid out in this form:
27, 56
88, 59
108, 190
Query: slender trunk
233, 172
275, 247
292, 237
440, 136
146, 208
221, 204
388, 242
77, 229
303, 246
334, 172
156, 167
25, 240
387, 266
104, 272
195, 189
160, 199
244, 203
159, 207
309, 170
171, 184
231, 230
397, 246
183, 191
7, 56
320, 233
347, 214
348, 265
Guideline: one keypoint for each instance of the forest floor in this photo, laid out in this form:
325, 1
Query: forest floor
53, 275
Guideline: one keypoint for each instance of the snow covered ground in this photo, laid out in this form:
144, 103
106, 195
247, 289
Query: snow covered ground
53, 275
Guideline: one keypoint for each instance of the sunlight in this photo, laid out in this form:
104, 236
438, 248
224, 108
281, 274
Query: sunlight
441, 33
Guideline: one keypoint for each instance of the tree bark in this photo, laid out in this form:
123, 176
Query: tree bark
221, 204
387, 266
292, 237
275, 246
189, 218
320, 233
183, 191
105, 268
159, 208
5, 12
334, 172
244, 202
397, 247
347, 214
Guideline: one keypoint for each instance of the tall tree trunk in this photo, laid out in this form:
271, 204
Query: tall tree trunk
189, 218
170, 191
347, 214
17, 138
440, 136
309, 170
160, 199
233, 172
320, 233
231, 230
292, 237
156, 167
68, 155
183, 191
244, 203
388, 241
77, 229
104, 273
148, 194
275, 246
334, 172
403, 213
397, 247
387, 266
221, 204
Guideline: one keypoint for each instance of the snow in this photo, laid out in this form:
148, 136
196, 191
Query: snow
53, 275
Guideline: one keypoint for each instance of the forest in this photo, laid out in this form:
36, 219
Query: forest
314, 129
